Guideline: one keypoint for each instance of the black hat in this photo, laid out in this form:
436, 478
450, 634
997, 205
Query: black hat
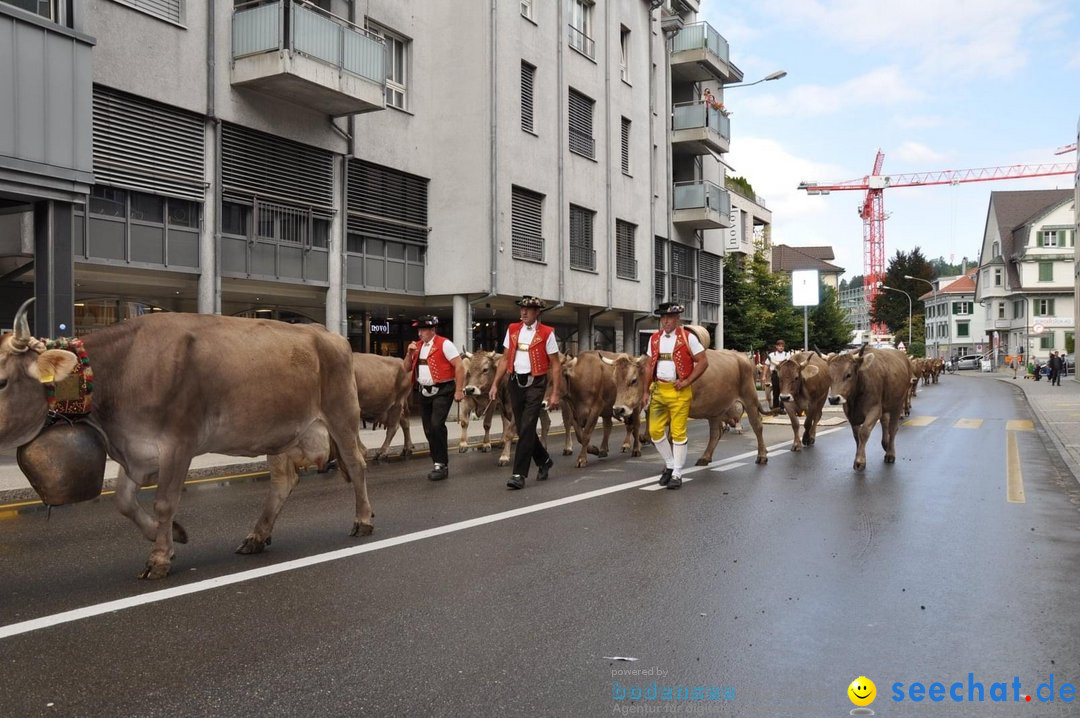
531, 302
428, 321
669, 308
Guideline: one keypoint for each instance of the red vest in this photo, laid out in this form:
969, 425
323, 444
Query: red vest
440, 367
684, 360
538, 355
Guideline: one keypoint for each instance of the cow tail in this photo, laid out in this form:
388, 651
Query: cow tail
335, 457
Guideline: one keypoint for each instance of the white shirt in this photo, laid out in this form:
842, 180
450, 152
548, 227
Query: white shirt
776, 358
522, 363
423, 372
665, 368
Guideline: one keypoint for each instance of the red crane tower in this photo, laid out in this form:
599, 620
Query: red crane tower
872, 209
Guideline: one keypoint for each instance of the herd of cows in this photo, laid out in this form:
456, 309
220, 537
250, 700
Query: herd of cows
168, 387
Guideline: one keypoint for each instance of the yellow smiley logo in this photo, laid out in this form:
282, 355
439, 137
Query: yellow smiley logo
862, 691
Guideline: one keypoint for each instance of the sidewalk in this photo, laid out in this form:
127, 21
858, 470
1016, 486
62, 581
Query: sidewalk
1057, 408
15, 487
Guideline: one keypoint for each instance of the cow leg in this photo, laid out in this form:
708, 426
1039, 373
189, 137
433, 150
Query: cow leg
406, 433
355, 469
171, 474
489, 415
569, 427
545, 426
284, 475
628, 439
603, 452
467, 408
792, 410
716, 430
584, 438
753, 415
393, 419
509, 436
127, 501
888, 436
862, 435
813, 417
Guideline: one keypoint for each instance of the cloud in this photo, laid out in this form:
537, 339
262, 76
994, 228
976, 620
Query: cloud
1074, 60
916, 154
919, 122
880, 86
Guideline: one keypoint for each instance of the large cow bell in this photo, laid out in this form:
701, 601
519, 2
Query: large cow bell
65, 463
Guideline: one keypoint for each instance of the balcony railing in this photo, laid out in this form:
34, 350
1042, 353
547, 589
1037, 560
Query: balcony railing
695, 115
581, 42
701, 194
701, 36
582, 258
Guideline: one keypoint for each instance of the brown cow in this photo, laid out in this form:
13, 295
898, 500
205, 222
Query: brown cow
168, 387
590, 397
804, 387
728, 380
383, 386
479, 374
872, 385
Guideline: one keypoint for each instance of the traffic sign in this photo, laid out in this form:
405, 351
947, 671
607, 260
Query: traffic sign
1038, 329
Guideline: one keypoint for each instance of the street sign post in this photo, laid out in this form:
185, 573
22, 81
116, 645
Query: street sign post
805, 293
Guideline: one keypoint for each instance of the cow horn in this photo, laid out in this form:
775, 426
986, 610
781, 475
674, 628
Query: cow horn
609, 362
21, 339
468, 355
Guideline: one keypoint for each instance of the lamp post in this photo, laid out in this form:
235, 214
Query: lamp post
768, 78
894, 289
937, 349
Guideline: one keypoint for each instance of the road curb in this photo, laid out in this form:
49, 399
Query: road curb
1043, 428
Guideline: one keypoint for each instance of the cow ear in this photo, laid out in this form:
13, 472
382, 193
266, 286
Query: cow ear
809, 372
52, 366
867, 361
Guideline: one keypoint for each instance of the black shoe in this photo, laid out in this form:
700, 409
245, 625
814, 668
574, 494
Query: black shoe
517, 481
676, 482
440, 472
665, 477
545, 467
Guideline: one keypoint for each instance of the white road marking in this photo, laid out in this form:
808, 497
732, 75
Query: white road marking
120, 604
728, 467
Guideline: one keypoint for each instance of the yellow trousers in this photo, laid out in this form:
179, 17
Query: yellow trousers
669, 405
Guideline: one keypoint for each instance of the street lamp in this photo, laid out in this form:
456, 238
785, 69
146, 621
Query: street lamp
894, 289
937, 349
771, 76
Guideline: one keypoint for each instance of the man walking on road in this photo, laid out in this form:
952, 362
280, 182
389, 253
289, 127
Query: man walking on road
439, 374
777, 357
532, 360
676, 360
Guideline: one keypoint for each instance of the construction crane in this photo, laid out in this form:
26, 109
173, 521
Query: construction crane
872, 209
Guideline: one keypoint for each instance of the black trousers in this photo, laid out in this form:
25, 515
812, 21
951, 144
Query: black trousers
526, 404
775, 390
433, 413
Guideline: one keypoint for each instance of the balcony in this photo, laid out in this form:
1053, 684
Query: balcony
698, 129
701, 205
297, 52
700, 54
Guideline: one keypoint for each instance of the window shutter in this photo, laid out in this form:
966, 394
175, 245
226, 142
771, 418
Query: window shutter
526, 220
582, 254
625, 146
147, 146
528, 82
171, 10
625, 264
256, 164
659, 268
387, 203
581, 124
710, 276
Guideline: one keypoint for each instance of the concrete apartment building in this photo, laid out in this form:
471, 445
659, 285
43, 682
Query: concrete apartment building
356, 162
953, 326
1027, 271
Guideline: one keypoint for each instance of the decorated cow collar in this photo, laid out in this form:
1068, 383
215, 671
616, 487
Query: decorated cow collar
71, 397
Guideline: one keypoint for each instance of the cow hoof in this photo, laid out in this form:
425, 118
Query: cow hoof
567, 452
582, 463
808, 441
503, 462
635, 453
593, 450
154, 571
484, 448
360, 528
462, 448
602, 453
623, 450
762, 460
795, 447
179, 535
859, 465
701, 462
406, 452
251, 545
890, 459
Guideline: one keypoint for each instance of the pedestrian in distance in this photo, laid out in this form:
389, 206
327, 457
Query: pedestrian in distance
532, 360
777, 357
1014, 364
1056, 364
676, 360
439, 375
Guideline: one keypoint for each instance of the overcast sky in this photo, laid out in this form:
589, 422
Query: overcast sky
935, 84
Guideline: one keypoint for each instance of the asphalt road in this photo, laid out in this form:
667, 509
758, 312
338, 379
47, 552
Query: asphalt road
770, 588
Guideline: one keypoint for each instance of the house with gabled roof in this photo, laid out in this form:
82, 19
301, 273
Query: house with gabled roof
788, 259
953, 326
1026, 270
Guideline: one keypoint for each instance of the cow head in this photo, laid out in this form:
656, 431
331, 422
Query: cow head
25, 367
629, 373
480, 372
792, 372
844, 372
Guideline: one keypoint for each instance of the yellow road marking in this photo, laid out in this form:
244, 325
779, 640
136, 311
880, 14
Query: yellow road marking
920, 421
968, 424
1014, 479
1020, 425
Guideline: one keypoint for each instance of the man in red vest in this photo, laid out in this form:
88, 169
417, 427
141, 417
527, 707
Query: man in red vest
676, 360
531, 357
436, 368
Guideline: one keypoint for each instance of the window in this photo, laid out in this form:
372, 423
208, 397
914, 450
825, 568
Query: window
683, 267
625, 146
44, 8
1018, 308
961, 308
128, 226
1001, 310
997, 276
1046, 271
580, 30
659, 269
624, 53
1044, 307
397, 66
526, 225
1050, 238
995, 250
625, 264
1046, 341
581, 125
582, 254
527, 9
528, 82
710, 273
170, 10
962, 329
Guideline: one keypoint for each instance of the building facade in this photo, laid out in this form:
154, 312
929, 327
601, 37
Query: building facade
955, 324
355, 163
1027, 272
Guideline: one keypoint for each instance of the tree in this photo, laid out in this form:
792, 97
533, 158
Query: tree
829, 328
891, 308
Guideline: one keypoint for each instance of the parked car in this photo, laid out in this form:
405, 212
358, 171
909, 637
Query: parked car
969, 361
1070, 363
